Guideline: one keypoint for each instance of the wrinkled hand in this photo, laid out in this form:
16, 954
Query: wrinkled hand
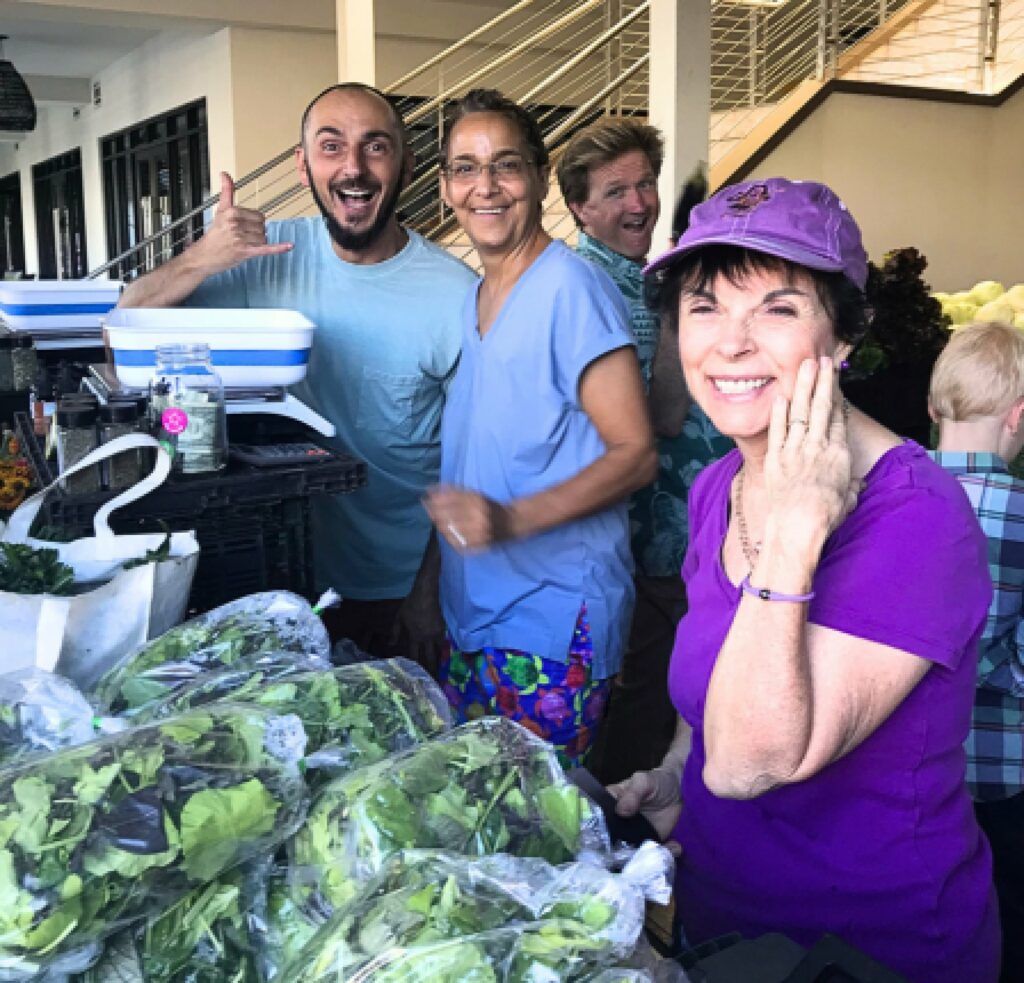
236, 234
468, 521
420, 627
808, 466
655, 794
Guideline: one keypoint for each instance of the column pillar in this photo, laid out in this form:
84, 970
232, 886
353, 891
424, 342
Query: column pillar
357, 43
679, 96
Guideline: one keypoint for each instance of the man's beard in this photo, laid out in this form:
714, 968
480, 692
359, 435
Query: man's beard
355, 242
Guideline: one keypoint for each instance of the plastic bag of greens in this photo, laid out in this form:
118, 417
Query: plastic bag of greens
40, 711
202, 937
274, 621
286, 929
438, 917
488, 786
243, 682
97, 836
353, 715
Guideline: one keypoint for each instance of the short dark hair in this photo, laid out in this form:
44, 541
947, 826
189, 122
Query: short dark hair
843, 301
492, 101
396, 116
600, 144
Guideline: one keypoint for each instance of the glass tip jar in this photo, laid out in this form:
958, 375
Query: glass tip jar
186, 398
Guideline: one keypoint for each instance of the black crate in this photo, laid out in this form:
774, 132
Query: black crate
252, 524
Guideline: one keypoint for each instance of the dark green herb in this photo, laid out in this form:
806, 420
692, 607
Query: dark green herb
161, 553
907, 324
26, 570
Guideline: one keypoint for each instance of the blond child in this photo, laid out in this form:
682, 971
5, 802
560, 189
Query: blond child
977, 399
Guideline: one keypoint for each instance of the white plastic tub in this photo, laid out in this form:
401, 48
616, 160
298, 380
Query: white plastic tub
48, 305
250, 348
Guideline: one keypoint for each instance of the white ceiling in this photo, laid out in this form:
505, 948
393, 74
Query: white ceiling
63, 49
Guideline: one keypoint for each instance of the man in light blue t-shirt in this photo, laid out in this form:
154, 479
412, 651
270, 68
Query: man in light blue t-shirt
387, 307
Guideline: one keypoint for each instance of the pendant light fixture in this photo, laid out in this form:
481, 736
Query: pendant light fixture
17, 107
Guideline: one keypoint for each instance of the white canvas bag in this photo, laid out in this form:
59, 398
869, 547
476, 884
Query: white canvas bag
83, 635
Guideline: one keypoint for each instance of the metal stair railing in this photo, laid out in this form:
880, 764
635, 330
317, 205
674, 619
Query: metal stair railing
763, 50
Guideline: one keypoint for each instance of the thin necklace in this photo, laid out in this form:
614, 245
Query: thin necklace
751, 551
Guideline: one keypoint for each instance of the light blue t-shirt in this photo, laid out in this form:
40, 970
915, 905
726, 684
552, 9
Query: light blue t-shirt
385, 349
513, 427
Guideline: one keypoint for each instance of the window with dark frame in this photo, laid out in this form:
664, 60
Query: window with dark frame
60, 216
12, 236
155, 173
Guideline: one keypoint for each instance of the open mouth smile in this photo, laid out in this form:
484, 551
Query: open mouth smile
739, 387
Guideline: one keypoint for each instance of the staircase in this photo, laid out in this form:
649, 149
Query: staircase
964, 46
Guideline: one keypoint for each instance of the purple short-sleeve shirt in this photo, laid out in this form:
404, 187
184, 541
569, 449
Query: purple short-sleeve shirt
881, 847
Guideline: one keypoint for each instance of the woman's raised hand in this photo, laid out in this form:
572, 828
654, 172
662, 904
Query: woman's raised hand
808, 466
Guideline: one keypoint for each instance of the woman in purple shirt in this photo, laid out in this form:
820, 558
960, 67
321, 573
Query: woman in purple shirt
838, 585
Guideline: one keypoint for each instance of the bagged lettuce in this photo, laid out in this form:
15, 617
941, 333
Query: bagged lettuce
353, 715
97, 836
203, 937
40, 711
271, 622
435, 917
486, 787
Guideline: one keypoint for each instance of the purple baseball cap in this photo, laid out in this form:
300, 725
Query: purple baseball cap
800, 221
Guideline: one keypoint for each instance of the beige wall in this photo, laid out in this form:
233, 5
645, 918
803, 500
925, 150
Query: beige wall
256, 84
942, 177
274, 74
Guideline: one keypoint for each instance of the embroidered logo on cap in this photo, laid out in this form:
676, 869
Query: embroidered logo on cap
748, 199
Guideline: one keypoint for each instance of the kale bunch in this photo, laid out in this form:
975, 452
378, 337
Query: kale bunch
907, 324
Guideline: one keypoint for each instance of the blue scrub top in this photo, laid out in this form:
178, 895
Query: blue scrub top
513, 426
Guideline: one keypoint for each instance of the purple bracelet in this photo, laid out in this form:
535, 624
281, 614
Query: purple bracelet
770, 595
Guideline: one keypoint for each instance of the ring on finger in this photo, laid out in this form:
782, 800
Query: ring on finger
793, 423
455, 534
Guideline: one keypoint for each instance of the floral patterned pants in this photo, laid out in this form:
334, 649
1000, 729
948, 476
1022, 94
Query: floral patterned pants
559, 701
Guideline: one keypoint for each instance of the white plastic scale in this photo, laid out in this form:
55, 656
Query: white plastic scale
274, 400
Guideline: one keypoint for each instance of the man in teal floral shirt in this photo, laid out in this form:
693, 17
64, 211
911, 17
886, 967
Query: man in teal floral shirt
609, 178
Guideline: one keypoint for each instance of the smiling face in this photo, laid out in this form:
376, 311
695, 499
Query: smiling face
622, 205
500, 212
353, 162
741, 345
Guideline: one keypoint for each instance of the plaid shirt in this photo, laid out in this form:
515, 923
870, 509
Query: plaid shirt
995, 745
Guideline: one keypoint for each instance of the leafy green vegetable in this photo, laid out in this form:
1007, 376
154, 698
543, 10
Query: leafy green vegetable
438, 917
275, 621
161, 553
202, 937
215, 821
97, 836
489, 786
26, 570
353, 715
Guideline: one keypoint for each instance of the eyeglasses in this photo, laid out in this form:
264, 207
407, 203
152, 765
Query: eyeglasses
505, 169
